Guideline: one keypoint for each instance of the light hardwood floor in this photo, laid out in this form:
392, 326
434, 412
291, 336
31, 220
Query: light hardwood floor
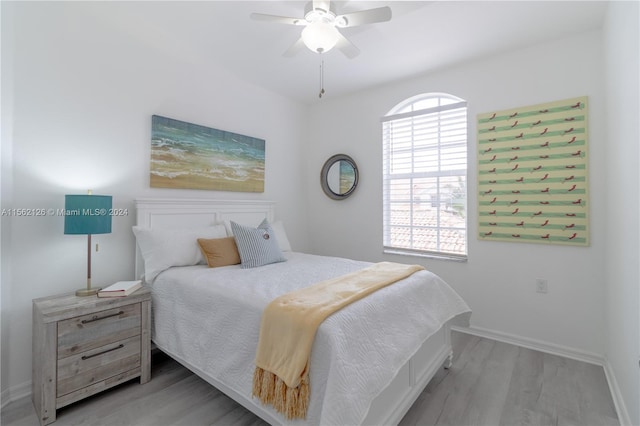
494, 383
490, 383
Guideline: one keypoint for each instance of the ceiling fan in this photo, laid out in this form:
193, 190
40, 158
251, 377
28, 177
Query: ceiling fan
321, 24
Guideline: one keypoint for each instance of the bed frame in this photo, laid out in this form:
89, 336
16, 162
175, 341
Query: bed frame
392, 403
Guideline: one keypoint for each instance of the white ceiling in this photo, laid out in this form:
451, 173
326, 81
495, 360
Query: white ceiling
422, 36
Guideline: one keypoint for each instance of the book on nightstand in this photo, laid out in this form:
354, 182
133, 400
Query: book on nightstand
120, 289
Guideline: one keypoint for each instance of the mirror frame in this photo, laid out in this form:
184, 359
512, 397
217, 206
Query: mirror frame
324, 173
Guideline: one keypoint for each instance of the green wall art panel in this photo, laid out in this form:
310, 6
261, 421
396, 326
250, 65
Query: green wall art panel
532, 174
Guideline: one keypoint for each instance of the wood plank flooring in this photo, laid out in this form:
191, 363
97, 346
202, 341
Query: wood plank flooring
494, 383
490, 383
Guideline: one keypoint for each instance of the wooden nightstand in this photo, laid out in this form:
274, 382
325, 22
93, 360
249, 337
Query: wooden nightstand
84, 345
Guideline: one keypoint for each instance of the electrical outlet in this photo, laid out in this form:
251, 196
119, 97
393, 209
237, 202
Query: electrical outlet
541, 285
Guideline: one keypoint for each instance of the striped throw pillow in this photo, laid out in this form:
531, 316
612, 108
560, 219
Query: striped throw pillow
257, 246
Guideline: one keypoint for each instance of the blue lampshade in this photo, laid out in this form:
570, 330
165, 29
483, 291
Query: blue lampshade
87, 214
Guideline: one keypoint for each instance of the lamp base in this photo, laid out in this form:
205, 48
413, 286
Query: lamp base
87, 292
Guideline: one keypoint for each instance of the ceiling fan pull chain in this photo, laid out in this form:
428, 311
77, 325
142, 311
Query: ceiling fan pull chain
321, 78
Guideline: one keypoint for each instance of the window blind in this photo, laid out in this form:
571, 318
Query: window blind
424, 177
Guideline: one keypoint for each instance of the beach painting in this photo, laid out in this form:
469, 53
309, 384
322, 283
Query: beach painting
190, 156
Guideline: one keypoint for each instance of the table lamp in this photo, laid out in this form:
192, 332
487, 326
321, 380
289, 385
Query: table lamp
87, 215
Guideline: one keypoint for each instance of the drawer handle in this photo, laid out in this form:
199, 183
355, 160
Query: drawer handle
97, 318
120, 346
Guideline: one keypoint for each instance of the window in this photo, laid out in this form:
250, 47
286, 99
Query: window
425, 177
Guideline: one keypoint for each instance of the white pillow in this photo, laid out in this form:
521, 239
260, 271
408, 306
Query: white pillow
281, 235
163, 248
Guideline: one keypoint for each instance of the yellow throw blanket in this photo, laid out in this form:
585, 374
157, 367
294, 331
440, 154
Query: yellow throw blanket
289, 325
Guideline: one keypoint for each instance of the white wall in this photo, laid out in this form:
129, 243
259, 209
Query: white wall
498, 281
6, 128
622, 71
84, 93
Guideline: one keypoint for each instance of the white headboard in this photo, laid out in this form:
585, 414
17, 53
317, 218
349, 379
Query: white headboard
167, 213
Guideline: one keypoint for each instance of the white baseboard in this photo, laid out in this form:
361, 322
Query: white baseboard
14, 393
564, 351
621, 407
538, 345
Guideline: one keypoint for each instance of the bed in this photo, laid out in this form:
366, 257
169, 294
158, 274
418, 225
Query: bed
369, 372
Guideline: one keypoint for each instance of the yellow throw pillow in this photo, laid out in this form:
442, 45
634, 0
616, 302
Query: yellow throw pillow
220, 251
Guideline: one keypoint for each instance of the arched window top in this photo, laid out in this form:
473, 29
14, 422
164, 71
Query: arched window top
425, 101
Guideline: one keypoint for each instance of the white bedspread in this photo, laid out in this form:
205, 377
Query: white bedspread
210, 318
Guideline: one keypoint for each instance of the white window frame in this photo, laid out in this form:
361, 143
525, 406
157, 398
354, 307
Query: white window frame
406, 110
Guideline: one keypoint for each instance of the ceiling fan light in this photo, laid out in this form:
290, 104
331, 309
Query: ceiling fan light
320, 36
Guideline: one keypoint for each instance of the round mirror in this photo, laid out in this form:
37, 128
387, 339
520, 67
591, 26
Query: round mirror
339, 176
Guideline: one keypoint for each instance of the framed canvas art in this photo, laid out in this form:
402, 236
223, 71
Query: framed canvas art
190, 156
532, 174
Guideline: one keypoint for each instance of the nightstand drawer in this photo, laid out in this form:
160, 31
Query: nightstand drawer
80, 370
80, 334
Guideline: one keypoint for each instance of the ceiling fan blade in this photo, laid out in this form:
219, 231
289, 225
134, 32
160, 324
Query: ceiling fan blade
370, 16
294, 49
321, 4
346, 47
278, 19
